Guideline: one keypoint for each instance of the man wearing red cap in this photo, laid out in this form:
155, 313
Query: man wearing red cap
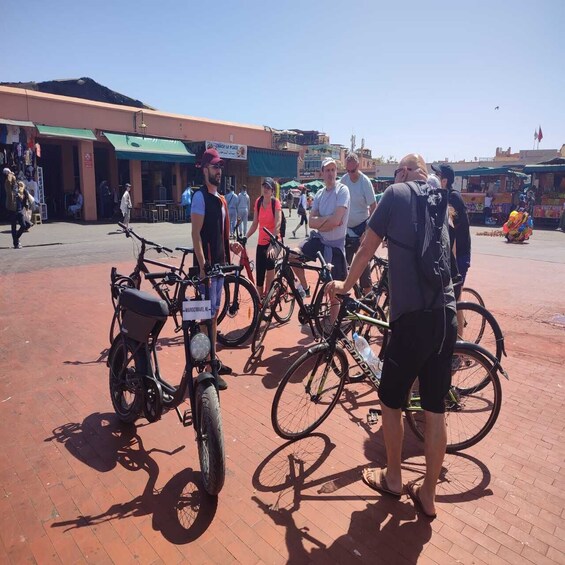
210, 236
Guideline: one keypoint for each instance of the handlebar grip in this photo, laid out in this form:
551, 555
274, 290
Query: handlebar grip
229, 268
166, 249
155, 276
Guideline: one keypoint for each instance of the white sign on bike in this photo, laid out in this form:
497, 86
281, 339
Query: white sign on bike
196, 310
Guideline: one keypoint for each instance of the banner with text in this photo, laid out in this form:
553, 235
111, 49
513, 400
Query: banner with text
228, 150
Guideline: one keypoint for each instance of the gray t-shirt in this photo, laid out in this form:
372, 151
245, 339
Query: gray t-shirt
393, 218
362, 196
325, 204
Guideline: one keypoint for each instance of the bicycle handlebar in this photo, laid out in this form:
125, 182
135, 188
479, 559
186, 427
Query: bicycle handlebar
129, 232
275, 241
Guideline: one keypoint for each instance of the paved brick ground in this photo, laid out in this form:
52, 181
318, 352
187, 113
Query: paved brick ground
78, 487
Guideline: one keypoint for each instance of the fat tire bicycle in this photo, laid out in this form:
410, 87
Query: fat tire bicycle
312, 386
239, 309
160, 281
135, 381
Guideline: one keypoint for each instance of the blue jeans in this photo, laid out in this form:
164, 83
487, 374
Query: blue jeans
215, 294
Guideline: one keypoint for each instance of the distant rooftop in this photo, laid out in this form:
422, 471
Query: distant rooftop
84, 87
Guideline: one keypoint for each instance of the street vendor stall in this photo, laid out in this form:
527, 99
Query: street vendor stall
502, 183
548, 183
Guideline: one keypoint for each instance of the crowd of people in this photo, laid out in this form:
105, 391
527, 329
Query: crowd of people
347, 226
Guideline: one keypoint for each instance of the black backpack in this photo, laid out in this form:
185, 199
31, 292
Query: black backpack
433, 253
283, 219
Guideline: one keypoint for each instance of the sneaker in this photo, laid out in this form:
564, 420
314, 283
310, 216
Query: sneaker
18, 246
222, 385
224, 369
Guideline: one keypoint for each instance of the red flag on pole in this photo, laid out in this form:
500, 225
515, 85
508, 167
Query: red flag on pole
536, 135
540, 135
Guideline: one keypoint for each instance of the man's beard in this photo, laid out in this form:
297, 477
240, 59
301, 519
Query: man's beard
215, 180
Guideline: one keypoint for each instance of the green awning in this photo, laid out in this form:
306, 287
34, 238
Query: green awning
66, 133
544, 169
487, 171
290, 184
271, 163
20, 123
149, 148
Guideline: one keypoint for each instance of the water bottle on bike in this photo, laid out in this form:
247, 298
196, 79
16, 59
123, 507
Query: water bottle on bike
368, 354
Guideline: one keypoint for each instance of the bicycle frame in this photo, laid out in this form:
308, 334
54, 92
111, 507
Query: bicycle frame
284, 272
156, 279
338, 337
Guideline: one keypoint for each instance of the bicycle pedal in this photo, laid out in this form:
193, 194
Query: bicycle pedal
187, 418
373, 416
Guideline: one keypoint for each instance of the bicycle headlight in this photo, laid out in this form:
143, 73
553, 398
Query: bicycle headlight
199, 347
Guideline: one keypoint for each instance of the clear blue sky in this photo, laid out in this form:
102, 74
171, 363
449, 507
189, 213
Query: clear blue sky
406, 76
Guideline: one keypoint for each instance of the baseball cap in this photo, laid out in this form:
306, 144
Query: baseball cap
445, 172
211, 157
6, 171
128, 185
328, 161
270, 183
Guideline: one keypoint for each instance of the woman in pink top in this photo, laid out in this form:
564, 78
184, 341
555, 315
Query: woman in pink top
263, 217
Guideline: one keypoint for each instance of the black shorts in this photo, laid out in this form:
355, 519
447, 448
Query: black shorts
414, 352
263, 263
310, 248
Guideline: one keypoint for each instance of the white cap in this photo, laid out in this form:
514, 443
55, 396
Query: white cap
328, 161
6, 171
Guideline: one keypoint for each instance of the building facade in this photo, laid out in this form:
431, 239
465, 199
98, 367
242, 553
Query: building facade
77, 143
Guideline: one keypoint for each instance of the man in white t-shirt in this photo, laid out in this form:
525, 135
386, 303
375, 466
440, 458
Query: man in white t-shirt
361, 206
328, 220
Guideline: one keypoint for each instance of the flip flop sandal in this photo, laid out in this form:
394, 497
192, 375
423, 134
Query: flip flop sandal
382, 486
413, 494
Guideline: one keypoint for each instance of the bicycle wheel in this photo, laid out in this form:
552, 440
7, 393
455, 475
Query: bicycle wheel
470, 410
283, 306
265, 318
479, 326
211, 442
238, 312
471, 295
309, 391
126, 375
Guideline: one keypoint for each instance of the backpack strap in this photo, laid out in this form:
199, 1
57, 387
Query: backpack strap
259, 203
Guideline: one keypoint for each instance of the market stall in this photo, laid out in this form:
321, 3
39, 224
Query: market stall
503, 184
548, 184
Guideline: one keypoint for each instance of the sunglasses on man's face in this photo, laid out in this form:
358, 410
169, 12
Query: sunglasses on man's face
216, 167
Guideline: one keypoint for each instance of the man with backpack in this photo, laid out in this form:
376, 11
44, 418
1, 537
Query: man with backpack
412, 216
